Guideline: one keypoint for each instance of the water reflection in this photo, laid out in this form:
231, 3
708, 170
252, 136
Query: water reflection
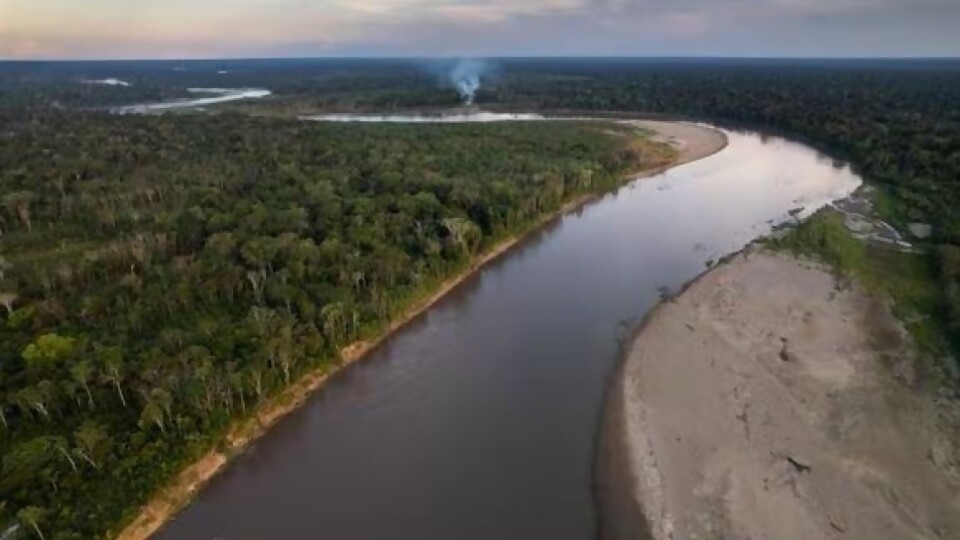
477, 421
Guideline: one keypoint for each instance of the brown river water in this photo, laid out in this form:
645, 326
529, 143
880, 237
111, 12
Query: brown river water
479, 419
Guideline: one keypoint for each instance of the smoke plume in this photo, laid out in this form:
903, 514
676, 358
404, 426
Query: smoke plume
466, 76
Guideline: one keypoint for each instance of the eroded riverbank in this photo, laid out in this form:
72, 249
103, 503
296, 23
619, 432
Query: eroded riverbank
761, 403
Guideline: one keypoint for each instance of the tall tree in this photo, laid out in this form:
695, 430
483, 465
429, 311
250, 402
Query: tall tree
152, 414
81, 372
7, 299
90, 437
19, 203
48, 350
31, 516
111, 362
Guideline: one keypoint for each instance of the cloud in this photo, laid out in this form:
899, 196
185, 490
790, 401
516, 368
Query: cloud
196, 28
498, 11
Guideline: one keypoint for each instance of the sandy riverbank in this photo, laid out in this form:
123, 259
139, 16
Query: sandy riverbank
691, 142
769, 401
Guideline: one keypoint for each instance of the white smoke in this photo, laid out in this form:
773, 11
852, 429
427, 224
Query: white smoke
466, 76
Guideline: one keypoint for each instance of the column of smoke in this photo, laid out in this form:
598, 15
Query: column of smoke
465, 77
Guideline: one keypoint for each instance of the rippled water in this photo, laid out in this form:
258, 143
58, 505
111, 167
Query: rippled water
478, 420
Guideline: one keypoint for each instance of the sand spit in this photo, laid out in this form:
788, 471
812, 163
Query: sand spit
692, 141
770, 401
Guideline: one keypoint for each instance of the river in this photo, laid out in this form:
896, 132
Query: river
216, 96
478, 420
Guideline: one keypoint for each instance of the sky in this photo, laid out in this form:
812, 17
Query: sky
174, 29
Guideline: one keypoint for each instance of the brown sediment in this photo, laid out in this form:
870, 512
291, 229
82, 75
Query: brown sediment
761, 402
689, 141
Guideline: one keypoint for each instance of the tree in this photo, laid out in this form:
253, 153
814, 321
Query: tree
21, 318
236, 380
90, 437
152, 414
30, 516
111, 361
259, 252
332, 315
3, 403
63, 448
7, 299
81, 372
464, 233
19, 204
282, 348
48, 350
254, 373
27, 462
256, 280
35, 398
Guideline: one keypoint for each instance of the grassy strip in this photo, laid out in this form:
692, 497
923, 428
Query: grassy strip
909, 280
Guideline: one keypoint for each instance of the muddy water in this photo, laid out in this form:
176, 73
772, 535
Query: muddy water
479, 419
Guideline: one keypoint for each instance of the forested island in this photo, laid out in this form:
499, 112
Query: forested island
163, 276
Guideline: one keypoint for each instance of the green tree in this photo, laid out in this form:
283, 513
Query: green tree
111, 362
28, 461
48, 350
36, 398
31, 516
81, 372
90, 438
152, 414
7, 299
60, 444
18, 203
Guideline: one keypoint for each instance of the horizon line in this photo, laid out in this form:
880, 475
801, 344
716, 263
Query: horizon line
479, 57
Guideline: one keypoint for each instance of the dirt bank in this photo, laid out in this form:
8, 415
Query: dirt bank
769, 401
691, 141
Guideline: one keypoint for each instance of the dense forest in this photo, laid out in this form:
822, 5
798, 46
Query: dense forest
162, 275
326, 84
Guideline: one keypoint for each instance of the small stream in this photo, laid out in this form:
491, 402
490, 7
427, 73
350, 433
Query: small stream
478, 419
